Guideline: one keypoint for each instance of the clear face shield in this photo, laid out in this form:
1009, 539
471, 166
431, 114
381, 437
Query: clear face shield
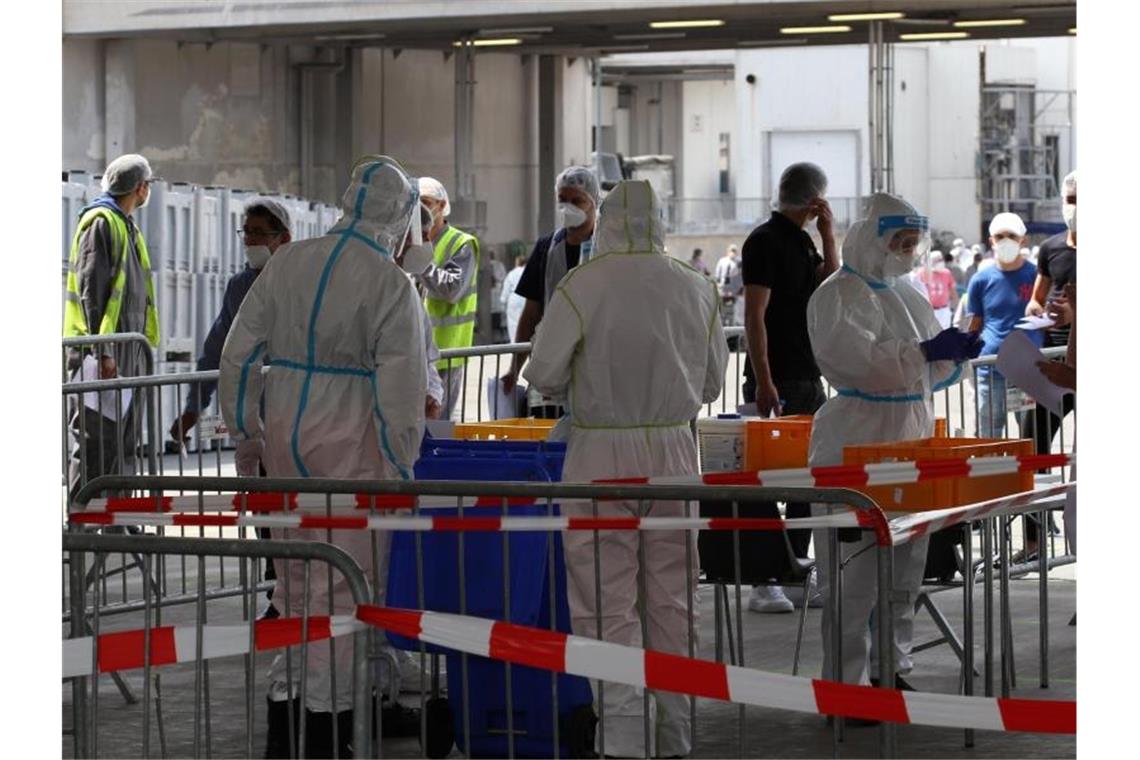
905, 240
417, 255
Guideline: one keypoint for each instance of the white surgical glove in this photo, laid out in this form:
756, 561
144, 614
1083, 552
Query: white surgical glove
248, 457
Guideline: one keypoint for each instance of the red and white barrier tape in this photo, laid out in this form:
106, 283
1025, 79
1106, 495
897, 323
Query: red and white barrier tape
841, 476
909, 527
563, 653
124, 650
492, 523
861, 475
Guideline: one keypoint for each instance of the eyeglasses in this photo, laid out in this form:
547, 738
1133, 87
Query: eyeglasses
245, 232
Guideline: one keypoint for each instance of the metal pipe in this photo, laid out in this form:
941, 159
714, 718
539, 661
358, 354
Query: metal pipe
968, 619
885, 564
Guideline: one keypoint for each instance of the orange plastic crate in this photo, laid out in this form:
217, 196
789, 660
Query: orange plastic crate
777, 444
944, 492
519, 429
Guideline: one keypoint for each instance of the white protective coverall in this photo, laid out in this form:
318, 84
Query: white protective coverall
340, 326
865, 328
633, 339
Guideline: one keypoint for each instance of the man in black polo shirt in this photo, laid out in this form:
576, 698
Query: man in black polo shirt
781, 271
1056, 268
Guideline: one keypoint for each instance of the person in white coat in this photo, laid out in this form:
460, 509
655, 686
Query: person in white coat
632, 339
340, 327
877, 341
512, 301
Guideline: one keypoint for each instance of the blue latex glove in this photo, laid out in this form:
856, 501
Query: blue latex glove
949, 345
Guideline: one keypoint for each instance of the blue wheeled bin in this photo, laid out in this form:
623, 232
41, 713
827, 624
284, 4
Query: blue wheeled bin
529, 583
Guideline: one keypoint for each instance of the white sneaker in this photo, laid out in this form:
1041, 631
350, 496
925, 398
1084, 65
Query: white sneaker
795, 594
769, 599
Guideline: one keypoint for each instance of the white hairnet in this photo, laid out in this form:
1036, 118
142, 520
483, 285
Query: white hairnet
379, 202
430, 187
800, 183
125, 173
1069, 185
579, 177
867, 244
959, 242
271, 207
629, 220
1007, 221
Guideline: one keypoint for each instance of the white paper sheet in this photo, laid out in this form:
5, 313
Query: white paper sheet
501, 406
1034, 323
1017, 360
110, 399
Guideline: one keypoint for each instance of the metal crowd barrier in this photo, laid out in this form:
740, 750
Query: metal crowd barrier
481, 507
150, 644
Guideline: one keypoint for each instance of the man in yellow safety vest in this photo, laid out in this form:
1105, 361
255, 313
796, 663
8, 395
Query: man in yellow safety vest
109, 290
450, 285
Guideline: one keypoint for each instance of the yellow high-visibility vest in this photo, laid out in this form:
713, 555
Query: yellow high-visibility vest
453, 324
74, 318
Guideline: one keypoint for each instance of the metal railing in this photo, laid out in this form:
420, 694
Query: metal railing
157, 643
506, 556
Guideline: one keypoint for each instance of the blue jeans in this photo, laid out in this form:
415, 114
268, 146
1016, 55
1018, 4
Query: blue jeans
991, 404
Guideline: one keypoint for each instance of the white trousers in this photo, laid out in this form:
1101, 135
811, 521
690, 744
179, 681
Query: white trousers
860, 584
452, 405
289, 598
666, 613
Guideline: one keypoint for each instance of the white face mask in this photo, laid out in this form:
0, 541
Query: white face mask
897, 265
571, 216
257, 255
146, 200
1007, 251
1069, 214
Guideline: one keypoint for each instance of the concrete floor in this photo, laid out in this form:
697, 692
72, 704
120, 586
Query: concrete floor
768, 733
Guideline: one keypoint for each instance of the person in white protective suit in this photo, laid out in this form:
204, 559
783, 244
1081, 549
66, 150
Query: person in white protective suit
633, 340
340, 327
877, 341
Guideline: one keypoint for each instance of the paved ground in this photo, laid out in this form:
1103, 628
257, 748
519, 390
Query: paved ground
768, 733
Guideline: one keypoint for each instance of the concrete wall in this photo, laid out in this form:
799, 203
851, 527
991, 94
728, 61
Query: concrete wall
829, 94
709, 110
231, 114
952, 87
913, 112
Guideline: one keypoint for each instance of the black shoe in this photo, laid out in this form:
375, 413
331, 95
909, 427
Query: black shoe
1073, 622
270, 613
319, 734
396, 720
277, 729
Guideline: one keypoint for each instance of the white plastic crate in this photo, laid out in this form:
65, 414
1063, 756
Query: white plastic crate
327, 216
207, 237
209, 289
75, 197
233, 205
304, 217
168, 224
177, 309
